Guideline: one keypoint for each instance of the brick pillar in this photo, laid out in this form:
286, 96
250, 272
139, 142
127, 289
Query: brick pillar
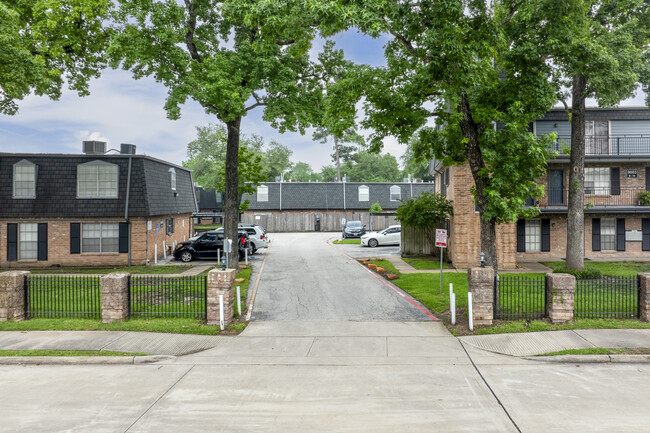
221, 283
12, 295
481, 285
115, 297
560, 294
644, 297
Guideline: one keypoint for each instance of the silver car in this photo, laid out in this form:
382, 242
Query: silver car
256, 234
388, 236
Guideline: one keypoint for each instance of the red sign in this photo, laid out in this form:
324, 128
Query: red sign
441, 238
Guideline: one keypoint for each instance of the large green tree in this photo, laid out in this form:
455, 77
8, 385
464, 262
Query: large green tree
276, 160
370, 167
598, 49
303, 172
44, 43
230, 56
416, 168
345, 146
442, 82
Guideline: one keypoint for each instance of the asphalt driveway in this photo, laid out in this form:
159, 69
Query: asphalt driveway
307, 278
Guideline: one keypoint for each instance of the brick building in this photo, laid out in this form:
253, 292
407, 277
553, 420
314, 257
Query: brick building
93, 209
617, 174
304, 206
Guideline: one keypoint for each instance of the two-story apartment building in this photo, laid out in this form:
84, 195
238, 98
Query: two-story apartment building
309, 206
91, 209
617, 176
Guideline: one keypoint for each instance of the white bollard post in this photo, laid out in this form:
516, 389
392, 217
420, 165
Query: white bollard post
452, 300
451, 289
469, 311
238, 302
246, 255
164, 251
221, 322
219, 257
155, 254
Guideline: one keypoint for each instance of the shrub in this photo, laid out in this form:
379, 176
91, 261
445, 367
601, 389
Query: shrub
586, 274
375, 208
644, 198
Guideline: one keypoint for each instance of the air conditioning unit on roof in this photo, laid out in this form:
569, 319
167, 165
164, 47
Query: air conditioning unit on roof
94, 147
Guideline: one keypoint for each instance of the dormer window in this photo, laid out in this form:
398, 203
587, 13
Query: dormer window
97, 179
172, 178
262, 193
24, 179
364, 193
395, 193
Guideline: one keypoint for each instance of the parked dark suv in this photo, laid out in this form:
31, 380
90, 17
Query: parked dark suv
353, 229
207, 245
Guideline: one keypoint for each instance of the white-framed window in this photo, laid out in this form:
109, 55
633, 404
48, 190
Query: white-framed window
533, 235
172, 178
607, 234
364, 193
27, 241
24, 179
97, 179
100, 237
395, 193
597, 181
262, 193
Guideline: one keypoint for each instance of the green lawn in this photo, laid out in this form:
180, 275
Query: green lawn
166, 269
207, 227
610, 268
348, 241
541, 325
67, 353
426, 263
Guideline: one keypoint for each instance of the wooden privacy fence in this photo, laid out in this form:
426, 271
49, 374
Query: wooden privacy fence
277, 222
415, 242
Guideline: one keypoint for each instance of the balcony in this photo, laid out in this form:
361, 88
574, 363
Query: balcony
594, 198
612, 145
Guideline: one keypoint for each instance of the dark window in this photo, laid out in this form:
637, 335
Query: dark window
546, 235
620, 234
595, 234
521, 236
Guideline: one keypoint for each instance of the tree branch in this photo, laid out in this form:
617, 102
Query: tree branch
191, 26
286, 42
566, 106
258, 102
514, 6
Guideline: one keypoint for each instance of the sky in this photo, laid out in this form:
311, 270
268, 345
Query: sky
120, 109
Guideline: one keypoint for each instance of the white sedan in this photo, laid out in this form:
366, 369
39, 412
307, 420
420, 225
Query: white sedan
389, 236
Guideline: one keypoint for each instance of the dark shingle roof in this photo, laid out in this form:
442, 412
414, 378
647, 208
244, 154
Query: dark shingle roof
330, 195
56, 188
621, 113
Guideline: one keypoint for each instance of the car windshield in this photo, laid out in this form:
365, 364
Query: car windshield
355, 224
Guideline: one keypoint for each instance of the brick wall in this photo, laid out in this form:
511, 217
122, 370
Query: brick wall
58, 245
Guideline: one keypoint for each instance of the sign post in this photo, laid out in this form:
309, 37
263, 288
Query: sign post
441, 241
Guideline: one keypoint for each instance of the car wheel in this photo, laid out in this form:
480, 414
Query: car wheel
186, 256
372, 243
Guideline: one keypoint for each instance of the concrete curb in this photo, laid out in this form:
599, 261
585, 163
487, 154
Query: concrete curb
592, 359
83, 360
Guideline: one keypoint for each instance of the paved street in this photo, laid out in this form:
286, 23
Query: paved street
318, 373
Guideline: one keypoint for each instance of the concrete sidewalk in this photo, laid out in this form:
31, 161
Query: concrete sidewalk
405, 268
341, 340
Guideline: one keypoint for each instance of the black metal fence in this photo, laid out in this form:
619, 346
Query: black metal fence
607, 297
169, 297
519, 297
607, 145
62, 296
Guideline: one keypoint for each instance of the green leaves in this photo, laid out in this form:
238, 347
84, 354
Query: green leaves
426, 210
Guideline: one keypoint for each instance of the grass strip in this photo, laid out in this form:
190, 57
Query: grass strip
348, 241
426, 263
542, 325
587, 351
610, 268
166, 269
67, 353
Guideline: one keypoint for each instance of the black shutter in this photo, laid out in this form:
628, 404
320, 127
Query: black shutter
645, 229
521, 236
595, 234
546, 235
42, 241
620, 234
12, 242
75, 238
615, 176
647, 178
124, 238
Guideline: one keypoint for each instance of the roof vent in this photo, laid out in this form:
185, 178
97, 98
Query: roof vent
127, 149
94, 147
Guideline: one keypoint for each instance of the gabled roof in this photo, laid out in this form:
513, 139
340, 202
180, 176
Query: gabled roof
56, 188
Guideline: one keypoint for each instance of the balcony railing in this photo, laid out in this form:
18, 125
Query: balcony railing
612, 145
595, 197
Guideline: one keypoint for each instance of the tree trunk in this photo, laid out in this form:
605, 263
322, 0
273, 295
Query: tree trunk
338, 161
575, 234
470, 131
231, 214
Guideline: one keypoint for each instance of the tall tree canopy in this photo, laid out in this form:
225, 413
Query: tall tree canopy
341, 149
370, 167
601, 50
230, 56
441, 64
46, 42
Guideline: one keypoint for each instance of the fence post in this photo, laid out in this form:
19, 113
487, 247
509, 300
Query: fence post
221, 283
12, 295
481, 285
644, 297
115, 297
560, 297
